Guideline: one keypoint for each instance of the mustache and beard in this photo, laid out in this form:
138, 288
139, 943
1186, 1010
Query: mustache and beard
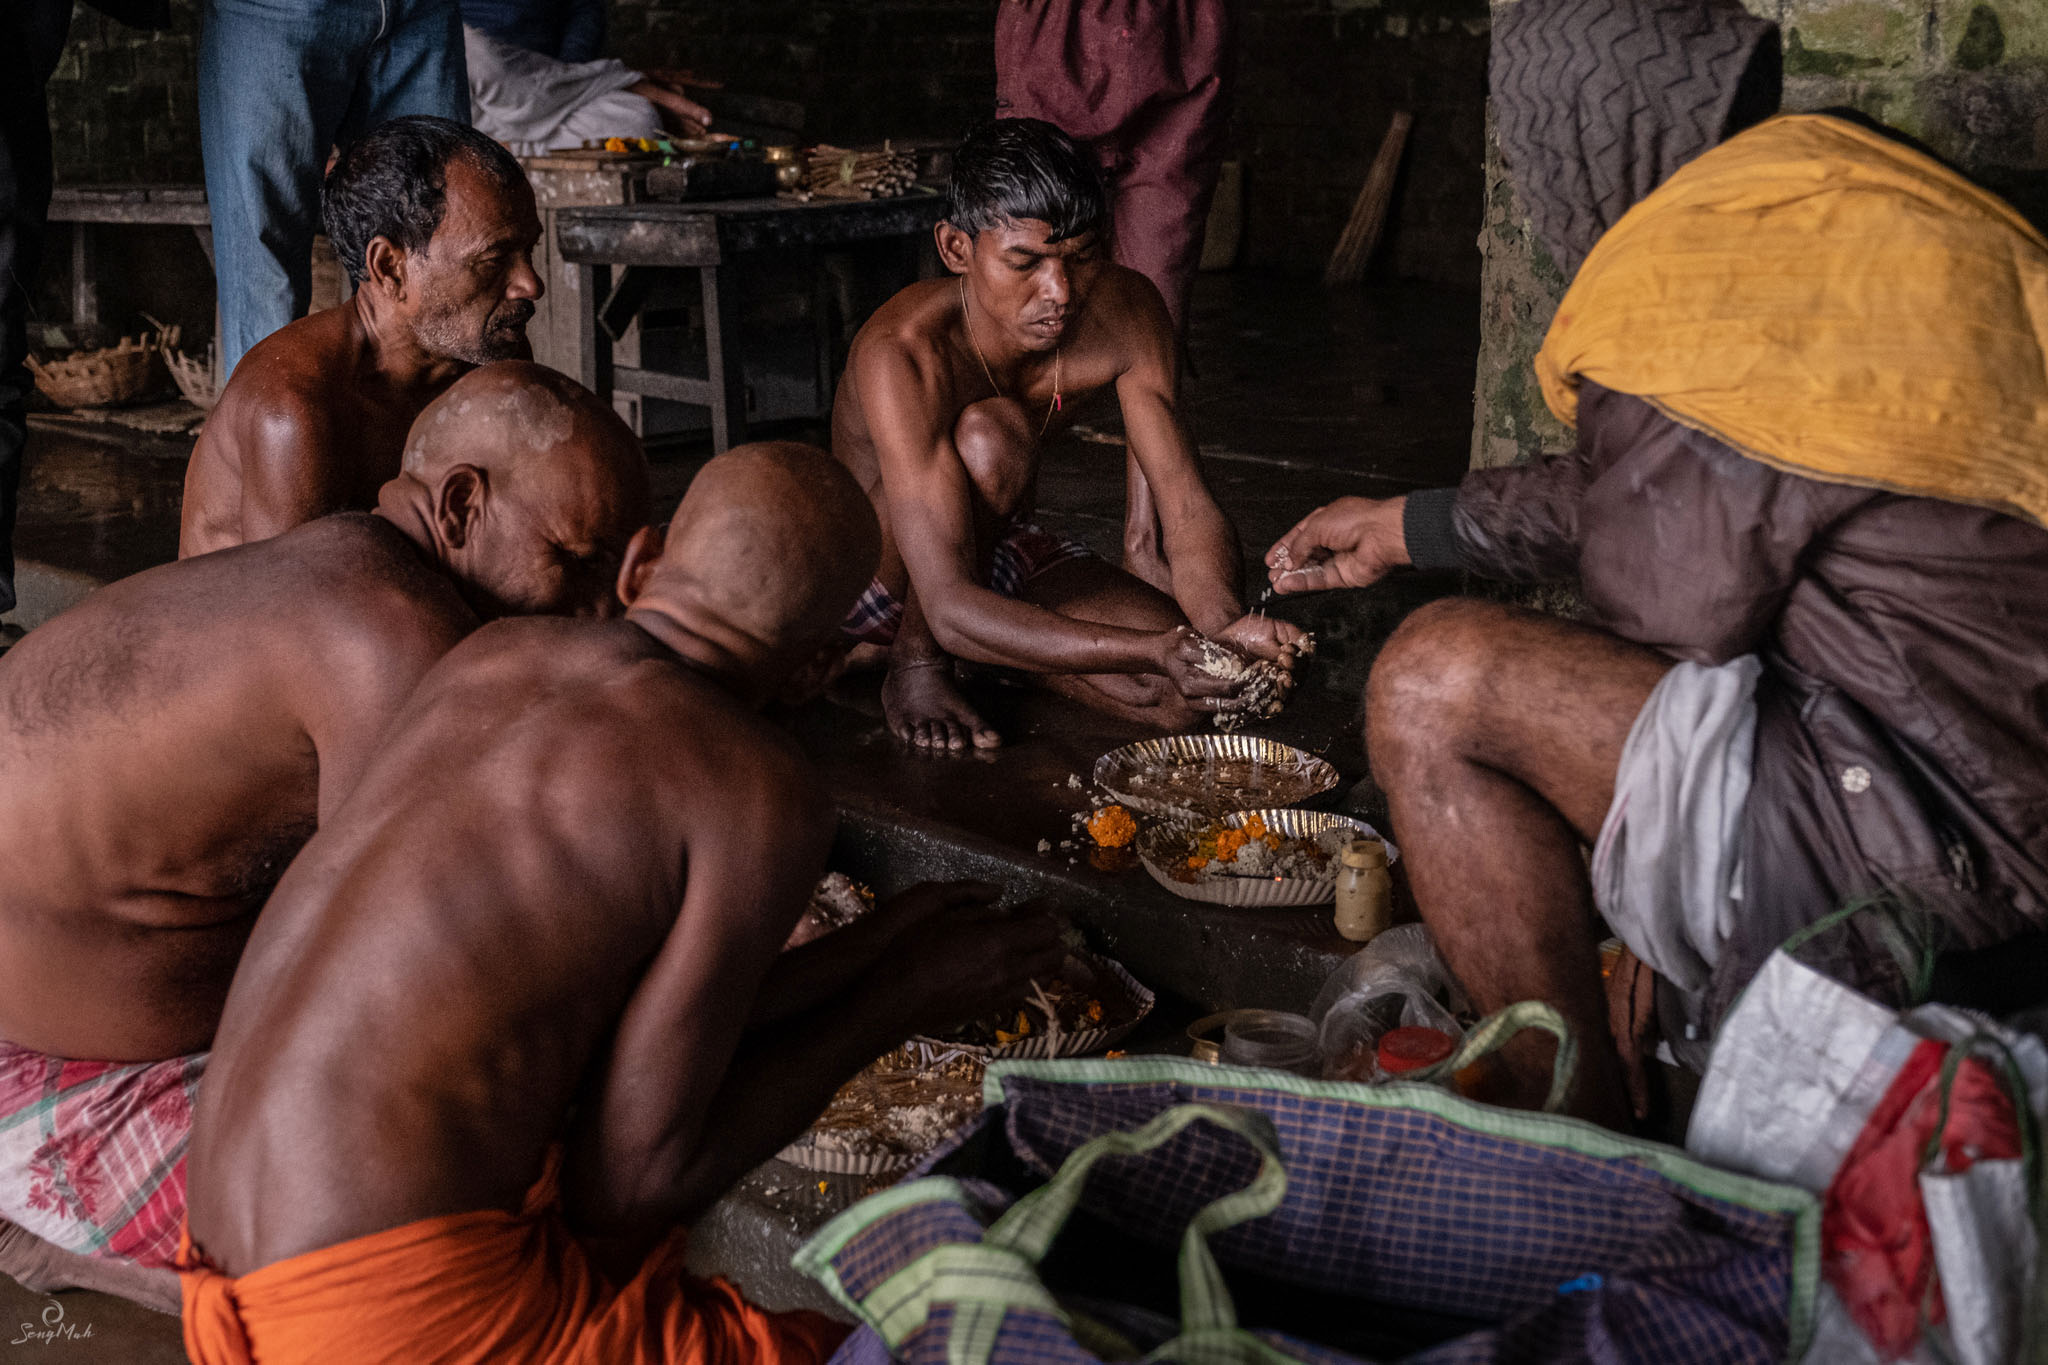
445, 331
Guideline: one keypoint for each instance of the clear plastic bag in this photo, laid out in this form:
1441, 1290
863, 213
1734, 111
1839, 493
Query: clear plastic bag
1396, 981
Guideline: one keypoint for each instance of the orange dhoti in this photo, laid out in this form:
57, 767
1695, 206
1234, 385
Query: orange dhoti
488, 1286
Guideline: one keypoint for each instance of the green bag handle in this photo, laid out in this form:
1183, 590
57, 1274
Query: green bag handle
1034, 1221
983, 1281
1490, 1034
2008, 1070
1910, 935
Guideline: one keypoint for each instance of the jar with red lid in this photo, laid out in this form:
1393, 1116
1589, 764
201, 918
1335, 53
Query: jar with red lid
1408, 1049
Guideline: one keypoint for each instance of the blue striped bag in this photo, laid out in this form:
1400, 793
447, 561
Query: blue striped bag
1314, 1222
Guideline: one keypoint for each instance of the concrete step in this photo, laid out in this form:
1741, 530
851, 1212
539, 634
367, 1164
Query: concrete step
908, 817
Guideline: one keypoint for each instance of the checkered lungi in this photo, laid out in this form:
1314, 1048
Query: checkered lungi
92, 1154
1024, 552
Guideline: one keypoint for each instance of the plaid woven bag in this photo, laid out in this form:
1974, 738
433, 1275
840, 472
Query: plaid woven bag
1315, 1222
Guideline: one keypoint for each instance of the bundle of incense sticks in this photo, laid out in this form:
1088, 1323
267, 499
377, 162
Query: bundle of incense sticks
844, 173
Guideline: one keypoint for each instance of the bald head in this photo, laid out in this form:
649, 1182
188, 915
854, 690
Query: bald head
532, 485
773, 542
504, 415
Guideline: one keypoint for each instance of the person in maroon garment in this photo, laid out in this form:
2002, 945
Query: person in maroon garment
1145, 85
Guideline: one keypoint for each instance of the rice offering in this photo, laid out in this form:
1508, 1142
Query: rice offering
1255, 851
1079, 1000
837, 901
1265, 683
889, 1116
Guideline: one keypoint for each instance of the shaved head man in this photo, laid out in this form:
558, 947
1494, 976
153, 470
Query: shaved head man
435, 225
169, 744
549, 919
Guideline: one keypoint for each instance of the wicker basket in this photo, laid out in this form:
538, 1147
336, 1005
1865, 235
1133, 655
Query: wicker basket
195, 377
102, 378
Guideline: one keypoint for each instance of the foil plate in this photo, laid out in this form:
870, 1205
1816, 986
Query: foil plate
1252, 892
1122, 772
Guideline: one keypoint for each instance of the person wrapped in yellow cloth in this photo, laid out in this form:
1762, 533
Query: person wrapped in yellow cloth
1805, 510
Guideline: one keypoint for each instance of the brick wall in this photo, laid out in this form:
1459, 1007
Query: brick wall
124, 103
1320, 79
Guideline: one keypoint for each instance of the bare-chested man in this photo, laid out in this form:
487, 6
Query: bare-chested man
435, 225
547, 917
948, 392
168, 745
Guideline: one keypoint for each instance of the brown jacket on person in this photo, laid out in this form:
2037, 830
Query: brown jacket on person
1902, 732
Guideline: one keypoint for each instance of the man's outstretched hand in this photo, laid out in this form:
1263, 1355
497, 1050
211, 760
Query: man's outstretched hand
1351, 543
686, 116
1182, 659
1263, 637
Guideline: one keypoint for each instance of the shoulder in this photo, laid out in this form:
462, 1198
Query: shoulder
357, 571
904, 332
617, 714
724, 759
283, 392
1128, 314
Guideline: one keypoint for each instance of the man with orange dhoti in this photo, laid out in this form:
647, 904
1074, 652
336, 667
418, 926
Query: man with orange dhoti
519, 1011
1806, 511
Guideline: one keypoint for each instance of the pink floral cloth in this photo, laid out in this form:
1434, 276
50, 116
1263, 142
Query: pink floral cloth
92, 1154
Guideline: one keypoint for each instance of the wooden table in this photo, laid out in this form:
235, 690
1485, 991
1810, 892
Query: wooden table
618, 251
85, 207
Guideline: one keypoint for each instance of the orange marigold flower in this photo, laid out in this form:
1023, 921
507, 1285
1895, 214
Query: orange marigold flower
1112, 827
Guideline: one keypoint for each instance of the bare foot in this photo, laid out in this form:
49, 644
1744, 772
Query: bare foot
924, 709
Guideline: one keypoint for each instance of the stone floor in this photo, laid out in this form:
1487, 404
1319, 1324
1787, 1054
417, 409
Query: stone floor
1299, 396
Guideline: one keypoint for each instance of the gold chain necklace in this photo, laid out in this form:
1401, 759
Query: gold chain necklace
975, 341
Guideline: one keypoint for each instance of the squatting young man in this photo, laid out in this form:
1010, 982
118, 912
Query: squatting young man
950, 391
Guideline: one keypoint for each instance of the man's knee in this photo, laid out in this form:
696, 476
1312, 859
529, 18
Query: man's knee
994, 441
1431, 678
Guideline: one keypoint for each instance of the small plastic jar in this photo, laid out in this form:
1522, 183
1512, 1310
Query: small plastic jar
1271, 1038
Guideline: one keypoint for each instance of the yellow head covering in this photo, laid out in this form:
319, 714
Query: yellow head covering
1829, 301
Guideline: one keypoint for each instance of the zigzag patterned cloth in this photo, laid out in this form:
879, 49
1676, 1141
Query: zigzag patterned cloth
1597, 101
92, 1154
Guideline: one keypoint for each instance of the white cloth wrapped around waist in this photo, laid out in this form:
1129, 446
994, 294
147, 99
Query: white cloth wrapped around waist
1667, 867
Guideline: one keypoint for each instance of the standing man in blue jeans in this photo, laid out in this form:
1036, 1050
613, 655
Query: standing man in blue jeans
280, 83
